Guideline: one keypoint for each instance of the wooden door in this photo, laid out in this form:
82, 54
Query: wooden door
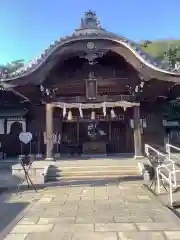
117, 143
93, 137
69, 138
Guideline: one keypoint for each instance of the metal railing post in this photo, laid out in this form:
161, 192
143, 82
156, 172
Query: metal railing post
158, 181
168, 166
170, 190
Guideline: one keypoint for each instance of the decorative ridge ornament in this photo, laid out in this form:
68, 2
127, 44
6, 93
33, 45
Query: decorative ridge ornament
90, 20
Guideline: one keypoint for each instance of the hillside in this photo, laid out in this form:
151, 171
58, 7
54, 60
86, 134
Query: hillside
157, 48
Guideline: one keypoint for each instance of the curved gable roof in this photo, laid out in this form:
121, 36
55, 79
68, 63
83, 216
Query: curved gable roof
90, 30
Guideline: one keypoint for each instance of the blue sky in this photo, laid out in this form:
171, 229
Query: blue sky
27, 27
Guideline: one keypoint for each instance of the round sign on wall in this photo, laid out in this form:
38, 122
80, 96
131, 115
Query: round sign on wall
25, 137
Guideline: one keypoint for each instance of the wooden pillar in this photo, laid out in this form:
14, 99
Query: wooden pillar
61, 135
110, 132
49, 132
77, 130
137, 133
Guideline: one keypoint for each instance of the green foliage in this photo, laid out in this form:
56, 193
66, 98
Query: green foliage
12, 66
172, 56
171, 110
165, 51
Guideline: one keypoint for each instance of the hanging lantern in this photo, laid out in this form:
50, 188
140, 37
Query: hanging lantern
47, 92
41, 88
113, 115
80, 111
64, 110
69, 117
104, 109
93, 115
137, 89
142, 84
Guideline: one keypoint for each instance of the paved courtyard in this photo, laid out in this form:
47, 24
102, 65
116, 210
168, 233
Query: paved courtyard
124, 211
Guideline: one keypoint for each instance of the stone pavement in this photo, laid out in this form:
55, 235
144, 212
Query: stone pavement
125, 211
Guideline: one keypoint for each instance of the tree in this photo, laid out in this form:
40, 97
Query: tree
3, 71
156, 49
145, 43
14, 65
171, 110
172, 57
11, 67
167, 51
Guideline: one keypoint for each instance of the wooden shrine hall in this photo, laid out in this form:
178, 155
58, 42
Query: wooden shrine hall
93, 92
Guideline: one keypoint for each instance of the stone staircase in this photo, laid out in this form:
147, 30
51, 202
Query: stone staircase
84, 171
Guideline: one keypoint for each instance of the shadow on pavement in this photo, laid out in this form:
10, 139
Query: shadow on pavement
10, 212
74, 183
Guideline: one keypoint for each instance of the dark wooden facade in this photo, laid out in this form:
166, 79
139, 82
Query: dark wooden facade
108, 76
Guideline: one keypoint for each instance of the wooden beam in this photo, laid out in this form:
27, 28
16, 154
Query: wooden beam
49, 132
19, 94
137, 133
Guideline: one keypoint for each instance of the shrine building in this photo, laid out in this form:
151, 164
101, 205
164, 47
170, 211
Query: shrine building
93, 92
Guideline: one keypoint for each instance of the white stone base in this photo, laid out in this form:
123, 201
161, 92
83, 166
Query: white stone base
49, 159
138, 157
39, 156
36, 171
57, 155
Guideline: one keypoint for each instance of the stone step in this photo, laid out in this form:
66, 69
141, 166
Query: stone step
93, 173
57, 173
91, 168
94, 177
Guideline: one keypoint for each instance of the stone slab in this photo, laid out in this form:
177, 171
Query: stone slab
29, 221
55, 215
173, 235
73, 228
16, 237
141, 236
95, 236
32, 228
50, 236
158, 226
65, 220
114, 227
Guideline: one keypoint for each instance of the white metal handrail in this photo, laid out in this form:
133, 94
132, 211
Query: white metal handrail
171, 186
166, 178
170, 182
168, 150
147, 147
171, 176
165, 165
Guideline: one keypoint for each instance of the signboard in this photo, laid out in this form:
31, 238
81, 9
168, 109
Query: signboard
170, 123
25, 137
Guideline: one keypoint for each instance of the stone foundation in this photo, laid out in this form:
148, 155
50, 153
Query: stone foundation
37, 171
